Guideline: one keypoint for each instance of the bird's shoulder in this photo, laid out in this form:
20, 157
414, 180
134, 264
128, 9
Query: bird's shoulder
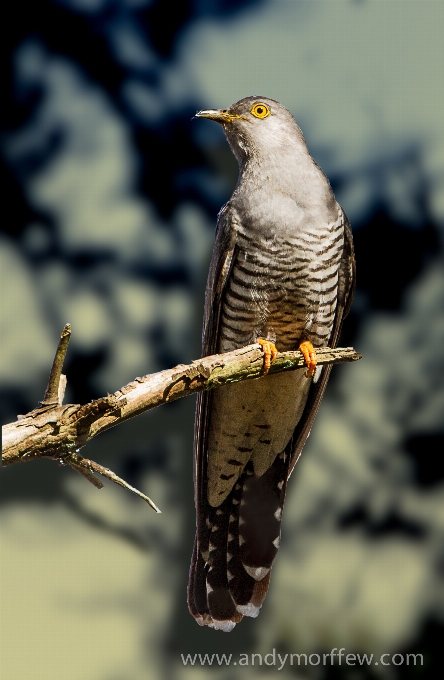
228, 220
224, 253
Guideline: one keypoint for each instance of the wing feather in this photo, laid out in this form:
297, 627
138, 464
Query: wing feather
220, 267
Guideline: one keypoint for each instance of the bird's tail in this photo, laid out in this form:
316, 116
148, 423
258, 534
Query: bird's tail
235, 546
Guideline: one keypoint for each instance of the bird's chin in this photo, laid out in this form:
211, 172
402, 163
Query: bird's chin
220, 116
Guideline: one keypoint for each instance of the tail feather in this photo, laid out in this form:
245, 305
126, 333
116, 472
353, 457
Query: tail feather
240, 583
220, 602
235, 548
197, 594
260, 517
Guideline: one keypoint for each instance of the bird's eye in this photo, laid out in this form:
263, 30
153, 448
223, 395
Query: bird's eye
260, 111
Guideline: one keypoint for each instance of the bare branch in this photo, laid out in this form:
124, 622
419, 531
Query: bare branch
58, 432
84, 472
84, 465
56, 389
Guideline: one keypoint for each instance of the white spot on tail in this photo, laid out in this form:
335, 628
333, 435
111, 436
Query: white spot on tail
280, 485
241, 521
226, 626
230, 537
241, 540
277, 542
258, 573
229, 575
248, 609
278, 514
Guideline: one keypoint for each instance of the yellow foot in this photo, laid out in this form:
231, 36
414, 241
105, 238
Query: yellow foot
309, 353
270, 353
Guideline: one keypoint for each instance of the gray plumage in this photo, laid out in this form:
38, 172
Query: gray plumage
282, 270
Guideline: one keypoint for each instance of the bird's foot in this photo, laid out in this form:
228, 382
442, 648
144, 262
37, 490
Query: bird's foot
270, 352
309, 353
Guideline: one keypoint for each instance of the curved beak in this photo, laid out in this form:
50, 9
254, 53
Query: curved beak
219, 115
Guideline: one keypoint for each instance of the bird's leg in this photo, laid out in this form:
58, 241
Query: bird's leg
309, 353
270, 353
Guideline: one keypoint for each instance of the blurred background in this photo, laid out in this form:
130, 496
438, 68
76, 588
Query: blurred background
110, 194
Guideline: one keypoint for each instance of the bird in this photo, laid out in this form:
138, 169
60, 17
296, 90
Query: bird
282, 274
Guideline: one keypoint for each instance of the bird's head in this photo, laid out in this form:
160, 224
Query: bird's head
256, 126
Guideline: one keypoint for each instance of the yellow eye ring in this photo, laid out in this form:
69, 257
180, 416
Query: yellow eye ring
260, 110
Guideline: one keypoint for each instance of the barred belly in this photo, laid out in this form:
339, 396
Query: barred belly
285, 292
275, 295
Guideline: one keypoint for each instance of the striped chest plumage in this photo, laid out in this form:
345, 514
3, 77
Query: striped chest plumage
283, 289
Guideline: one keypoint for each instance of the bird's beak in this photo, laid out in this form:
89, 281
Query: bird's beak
219, 115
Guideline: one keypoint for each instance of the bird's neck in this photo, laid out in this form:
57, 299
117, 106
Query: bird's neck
289, 170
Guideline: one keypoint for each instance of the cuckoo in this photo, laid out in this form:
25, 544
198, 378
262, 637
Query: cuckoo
281, 274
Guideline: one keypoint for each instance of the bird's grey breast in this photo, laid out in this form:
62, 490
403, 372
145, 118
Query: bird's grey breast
283, 282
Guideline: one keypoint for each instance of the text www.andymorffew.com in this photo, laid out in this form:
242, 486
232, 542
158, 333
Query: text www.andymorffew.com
336, 656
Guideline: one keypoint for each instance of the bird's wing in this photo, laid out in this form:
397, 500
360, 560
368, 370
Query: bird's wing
346, 288
224, 254
220, 267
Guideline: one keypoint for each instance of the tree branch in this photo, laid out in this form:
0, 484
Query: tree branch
57, 382
58, 432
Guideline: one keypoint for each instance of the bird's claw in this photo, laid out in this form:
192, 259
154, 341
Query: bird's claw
309, 353
270, 352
